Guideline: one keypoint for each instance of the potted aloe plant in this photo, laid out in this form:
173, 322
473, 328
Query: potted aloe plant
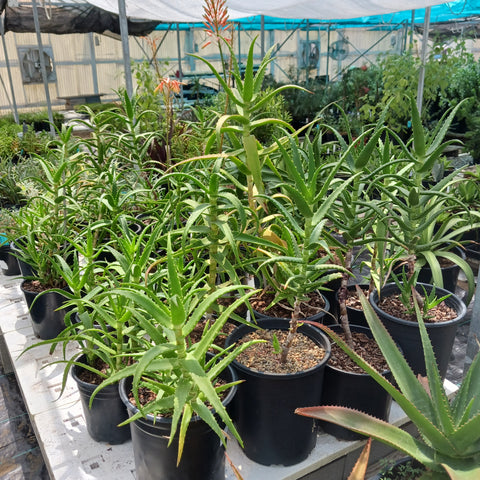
288, 257
420, 225
448, 446
171, 386
423, 221
8, 227
44, 229
98, 324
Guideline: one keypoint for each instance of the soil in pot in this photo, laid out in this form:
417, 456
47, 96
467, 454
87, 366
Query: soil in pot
196, 335
315, 308
263, 409
394, 306
354, 306
346, 384
107, 409
304, 353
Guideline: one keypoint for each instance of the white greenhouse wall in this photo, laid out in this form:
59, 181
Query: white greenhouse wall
83, 61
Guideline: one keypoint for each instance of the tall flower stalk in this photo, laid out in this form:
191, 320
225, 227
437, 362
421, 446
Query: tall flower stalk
217, 27
168, 88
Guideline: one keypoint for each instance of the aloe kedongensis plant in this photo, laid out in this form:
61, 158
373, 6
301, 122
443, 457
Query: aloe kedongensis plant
45, 223
449, 443
175, 369
421, 222
98, 320
246, 96
293, 252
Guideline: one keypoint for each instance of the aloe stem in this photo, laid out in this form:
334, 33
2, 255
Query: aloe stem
342, 300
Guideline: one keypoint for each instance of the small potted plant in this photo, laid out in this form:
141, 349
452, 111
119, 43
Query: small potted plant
171, 387
98, 325
44, 229
8, 228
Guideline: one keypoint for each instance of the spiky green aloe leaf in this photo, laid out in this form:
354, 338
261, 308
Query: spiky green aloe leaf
373, 427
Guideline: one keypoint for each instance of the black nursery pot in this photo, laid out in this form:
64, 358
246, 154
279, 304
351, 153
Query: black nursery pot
472, 244
354, 390
6, 254
47, 319
449, 274
407, 333
106, 413
265, 403
203, 455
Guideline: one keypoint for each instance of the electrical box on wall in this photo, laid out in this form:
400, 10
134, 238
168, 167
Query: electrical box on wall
30, 66
310, 54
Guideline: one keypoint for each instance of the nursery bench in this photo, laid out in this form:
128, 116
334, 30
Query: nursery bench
68, 451
71, 100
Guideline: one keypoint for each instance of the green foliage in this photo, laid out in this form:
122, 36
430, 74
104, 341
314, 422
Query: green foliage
408, 470
248, 100
449, 442
178, 372
8, 224
9, 141
39, 120
11, 193
405, 286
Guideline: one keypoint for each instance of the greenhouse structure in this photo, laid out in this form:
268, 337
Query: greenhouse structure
239, 240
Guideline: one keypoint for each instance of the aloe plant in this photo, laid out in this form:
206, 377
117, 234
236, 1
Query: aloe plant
167, 363
248, 100
98, 320
422, 220
449, 443
293, 254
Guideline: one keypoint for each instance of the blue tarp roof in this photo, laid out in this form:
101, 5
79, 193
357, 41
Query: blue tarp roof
447, 12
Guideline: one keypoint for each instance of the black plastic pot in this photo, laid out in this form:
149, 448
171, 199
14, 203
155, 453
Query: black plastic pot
406, 333
106, 413
449, 274
472, 244
203, 455
265, 403
47, 320
6, 254
354, 390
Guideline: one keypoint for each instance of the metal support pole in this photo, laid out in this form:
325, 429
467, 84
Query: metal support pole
122, 18
412, 28
93, 63
9, 72
179, 56
262, 36
307, 53
328, 54
239, 43
43, 68
421, 74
